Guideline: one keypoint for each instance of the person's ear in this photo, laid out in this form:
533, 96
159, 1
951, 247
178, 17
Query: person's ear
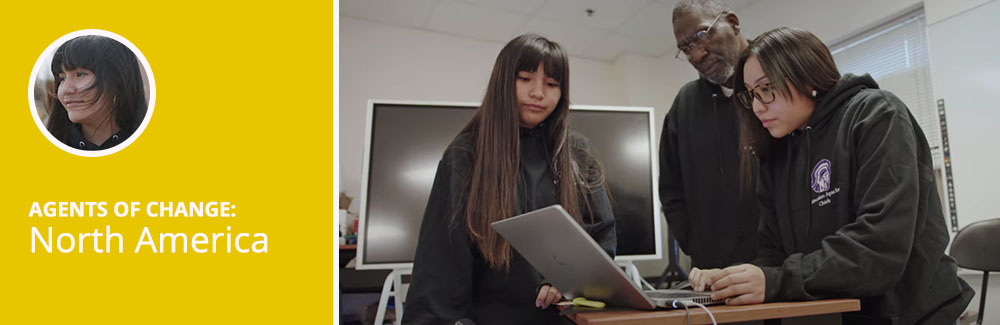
734, 22
810, 93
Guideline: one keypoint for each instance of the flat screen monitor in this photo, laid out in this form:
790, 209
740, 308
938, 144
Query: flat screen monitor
406, 140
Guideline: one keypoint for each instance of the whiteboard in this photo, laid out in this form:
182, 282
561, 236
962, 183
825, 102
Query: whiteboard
965, 72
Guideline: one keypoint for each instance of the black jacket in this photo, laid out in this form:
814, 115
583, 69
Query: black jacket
699, 179
77, 141
451, 279
74, 135
849, 208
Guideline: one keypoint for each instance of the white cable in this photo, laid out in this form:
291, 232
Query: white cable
706, 311
687, 312
650, 286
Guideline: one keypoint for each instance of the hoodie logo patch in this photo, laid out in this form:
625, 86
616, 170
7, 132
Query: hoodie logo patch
821, 176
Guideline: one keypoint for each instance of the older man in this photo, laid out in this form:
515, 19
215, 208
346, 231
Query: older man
706, 212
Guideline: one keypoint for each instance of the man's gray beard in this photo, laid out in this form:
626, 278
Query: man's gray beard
721, 80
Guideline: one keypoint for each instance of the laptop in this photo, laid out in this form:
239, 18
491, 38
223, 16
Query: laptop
573, 262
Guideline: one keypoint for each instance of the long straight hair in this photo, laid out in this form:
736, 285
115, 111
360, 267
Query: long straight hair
118, 79
496, 125
788, 56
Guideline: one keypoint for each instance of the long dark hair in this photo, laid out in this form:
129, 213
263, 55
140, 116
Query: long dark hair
118, 79
788, 56
493, 187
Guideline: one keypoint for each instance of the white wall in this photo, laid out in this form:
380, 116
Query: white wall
652, 82
381, 62
966, 74
938, 10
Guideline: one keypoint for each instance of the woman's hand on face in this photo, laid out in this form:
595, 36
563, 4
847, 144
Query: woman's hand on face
703, 279
740, 285
547, 295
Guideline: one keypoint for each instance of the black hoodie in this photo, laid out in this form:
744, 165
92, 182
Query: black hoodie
699, 179
452, 280
849, 208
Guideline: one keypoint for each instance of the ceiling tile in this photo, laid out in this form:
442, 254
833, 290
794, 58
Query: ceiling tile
461, 18
653, 21
521, 6
576, 40
655, 47
607, 15
616, 27
608, 48
669, 3
615, 44
736, 5
733, 4
411, 13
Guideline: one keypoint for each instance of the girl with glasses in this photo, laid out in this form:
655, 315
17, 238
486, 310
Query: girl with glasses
848, 203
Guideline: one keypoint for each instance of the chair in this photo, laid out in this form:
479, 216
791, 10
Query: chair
977, 247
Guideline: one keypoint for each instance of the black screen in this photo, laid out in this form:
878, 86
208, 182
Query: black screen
408, 141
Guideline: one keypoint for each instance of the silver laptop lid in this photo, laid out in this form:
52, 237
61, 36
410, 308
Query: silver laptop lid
568, 258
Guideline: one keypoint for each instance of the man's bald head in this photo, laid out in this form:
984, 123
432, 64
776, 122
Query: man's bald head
700, 8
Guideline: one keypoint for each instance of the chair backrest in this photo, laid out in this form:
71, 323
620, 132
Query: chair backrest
977, 246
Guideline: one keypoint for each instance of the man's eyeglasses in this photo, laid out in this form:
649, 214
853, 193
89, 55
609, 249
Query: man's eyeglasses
763, 92
696, 41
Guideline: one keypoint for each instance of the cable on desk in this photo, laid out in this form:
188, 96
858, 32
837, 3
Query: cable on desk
687, 312
706, 311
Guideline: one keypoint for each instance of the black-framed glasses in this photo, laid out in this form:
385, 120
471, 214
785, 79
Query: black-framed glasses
762, 92
696, 41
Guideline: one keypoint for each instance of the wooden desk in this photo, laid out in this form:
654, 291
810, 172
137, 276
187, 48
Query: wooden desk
725, 314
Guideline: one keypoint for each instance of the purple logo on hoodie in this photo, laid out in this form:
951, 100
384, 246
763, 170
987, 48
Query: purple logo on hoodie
821, 176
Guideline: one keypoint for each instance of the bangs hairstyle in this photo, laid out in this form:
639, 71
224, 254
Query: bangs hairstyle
524, 53
788, 56
496, 160
117, 79
550, 55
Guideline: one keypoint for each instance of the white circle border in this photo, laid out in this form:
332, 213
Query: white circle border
41, 125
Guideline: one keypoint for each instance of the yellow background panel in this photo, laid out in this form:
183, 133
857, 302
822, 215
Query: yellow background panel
243, 114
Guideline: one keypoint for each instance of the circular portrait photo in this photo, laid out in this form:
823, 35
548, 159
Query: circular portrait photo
91, 93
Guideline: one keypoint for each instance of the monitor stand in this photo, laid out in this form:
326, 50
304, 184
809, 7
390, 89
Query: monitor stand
673, 273
393, 287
